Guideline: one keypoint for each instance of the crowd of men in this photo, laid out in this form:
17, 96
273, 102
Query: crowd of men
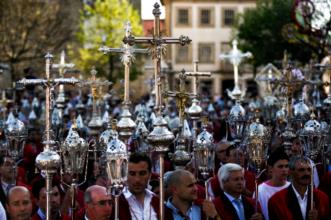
284, 189
284, 192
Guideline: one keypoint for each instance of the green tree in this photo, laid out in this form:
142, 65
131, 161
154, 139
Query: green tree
29, 28
102, 23
261, 31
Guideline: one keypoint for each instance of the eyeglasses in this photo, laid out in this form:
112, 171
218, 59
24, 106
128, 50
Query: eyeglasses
103, 203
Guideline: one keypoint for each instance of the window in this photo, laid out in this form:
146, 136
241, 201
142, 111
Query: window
206, 52
183, 17
228, 17
226, 48
183, 54
206, 17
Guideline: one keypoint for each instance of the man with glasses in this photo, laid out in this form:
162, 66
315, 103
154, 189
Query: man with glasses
98, 204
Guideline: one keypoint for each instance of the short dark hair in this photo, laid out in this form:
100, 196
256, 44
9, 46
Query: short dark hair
38, 184
137, 157
278, 154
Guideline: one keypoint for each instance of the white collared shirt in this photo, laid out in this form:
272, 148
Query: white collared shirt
2, 213
140, 211
302, 201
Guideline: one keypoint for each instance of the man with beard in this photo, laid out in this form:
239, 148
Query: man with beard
294, 201
231, 203
137, 202
39, 193
19, 205
183, 201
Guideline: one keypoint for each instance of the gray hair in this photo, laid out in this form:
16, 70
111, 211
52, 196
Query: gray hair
225, 170
89, 190
295, 159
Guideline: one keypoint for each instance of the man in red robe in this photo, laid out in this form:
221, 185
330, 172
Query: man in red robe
294, 202
231, 204
136, 201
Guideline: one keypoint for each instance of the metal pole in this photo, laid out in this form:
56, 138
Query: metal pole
116, 208
73, 199
161, 158
48, 194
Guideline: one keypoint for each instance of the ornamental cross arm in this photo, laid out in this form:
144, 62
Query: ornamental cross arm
182, 40
198, 74
24, 82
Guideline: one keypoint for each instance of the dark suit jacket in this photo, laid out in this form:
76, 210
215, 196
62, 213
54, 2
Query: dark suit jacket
3, 197
226, 210
284, 205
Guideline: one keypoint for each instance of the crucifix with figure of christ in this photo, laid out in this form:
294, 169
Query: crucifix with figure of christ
157, 48
181, 96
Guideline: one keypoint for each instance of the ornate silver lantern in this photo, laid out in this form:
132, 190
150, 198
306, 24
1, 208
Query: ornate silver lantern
16, 134
117, 167
140, 135
74, 152
270, 104
312, 137
258, 136
204, 153
300, 114
236, 121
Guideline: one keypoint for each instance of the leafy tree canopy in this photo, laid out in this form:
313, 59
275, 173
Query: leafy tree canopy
261, 31
102, 23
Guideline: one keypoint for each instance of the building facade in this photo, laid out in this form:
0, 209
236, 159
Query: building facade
209, 23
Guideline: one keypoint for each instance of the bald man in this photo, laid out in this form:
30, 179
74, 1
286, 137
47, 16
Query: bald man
183, 204
98, 204
19, 205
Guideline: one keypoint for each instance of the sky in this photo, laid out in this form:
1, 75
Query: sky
147, 8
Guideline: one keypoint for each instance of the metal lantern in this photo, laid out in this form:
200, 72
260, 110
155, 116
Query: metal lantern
4, 145
74, 151
236, 121
140, 135
16, 134
107, 135
270, 104
312, 137
257, 135
117, 162
160, 137
300, 114
116, 167
204, 153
